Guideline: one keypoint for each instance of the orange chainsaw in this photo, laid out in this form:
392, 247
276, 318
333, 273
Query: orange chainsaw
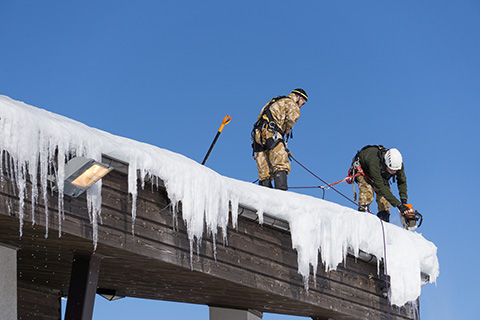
412, 219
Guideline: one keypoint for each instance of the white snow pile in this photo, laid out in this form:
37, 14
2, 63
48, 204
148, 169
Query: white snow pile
38, 140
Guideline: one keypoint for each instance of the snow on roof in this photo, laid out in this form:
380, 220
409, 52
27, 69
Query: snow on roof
34, 136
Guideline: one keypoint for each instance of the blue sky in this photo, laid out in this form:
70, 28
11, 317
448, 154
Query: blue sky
404, 74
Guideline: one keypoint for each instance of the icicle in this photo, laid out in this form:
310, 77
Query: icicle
260, 215
214, 241
33, 178
2, 161
60, 178
44, 163
191, 254
234, 210
94, 202
142, 177
21, 182
132, 189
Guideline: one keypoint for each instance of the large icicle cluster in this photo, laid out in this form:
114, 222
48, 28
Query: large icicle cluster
39, 142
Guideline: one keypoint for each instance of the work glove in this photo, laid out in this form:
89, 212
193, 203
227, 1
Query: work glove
404, 201
403, 209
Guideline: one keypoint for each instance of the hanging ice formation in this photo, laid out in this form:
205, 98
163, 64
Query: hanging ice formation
39, 142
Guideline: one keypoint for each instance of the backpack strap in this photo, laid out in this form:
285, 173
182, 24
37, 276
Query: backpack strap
266, 116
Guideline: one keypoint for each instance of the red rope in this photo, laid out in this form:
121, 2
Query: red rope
347, 178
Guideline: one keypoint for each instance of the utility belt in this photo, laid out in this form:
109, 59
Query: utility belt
264, 139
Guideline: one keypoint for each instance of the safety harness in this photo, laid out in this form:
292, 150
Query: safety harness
264, 124
356, 169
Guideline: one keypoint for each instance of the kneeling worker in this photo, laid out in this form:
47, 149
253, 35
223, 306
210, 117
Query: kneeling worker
379, 165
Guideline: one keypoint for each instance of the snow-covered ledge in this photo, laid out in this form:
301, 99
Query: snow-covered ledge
36, 139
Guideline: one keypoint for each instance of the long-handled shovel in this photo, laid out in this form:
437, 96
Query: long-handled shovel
225, 121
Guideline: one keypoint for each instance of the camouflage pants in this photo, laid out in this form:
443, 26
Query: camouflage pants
365, 195
271, 161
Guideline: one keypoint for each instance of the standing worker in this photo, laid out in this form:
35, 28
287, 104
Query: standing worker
275, 121
379, 165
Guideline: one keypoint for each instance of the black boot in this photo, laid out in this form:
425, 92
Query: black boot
265, 183
384, 215
364, 208
281, 180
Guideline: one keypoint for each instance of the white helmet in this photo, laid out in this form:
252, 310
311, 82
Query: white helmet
393, 159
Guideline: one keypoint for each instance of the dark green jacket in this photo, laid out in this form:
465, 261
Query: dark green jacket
373, 164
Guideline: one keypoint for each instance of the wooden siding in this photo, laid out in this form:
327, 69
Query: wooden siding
38, 302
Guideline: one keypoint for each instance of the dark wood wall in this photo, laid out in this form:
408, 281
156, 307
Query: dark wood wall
38, 302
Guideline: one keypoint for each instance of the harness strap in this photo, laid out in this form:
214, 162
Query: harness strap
266, 123
267, 117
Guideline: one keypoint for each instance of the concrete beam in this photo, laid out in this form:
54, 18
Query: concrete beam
217, 313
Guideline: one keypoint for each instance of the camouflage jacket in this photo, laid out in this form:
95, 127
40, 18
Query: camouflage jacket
284, 112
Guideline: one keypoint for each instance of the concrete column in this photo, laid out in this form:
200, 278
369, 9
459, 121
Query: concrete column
234, 314
8, 283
